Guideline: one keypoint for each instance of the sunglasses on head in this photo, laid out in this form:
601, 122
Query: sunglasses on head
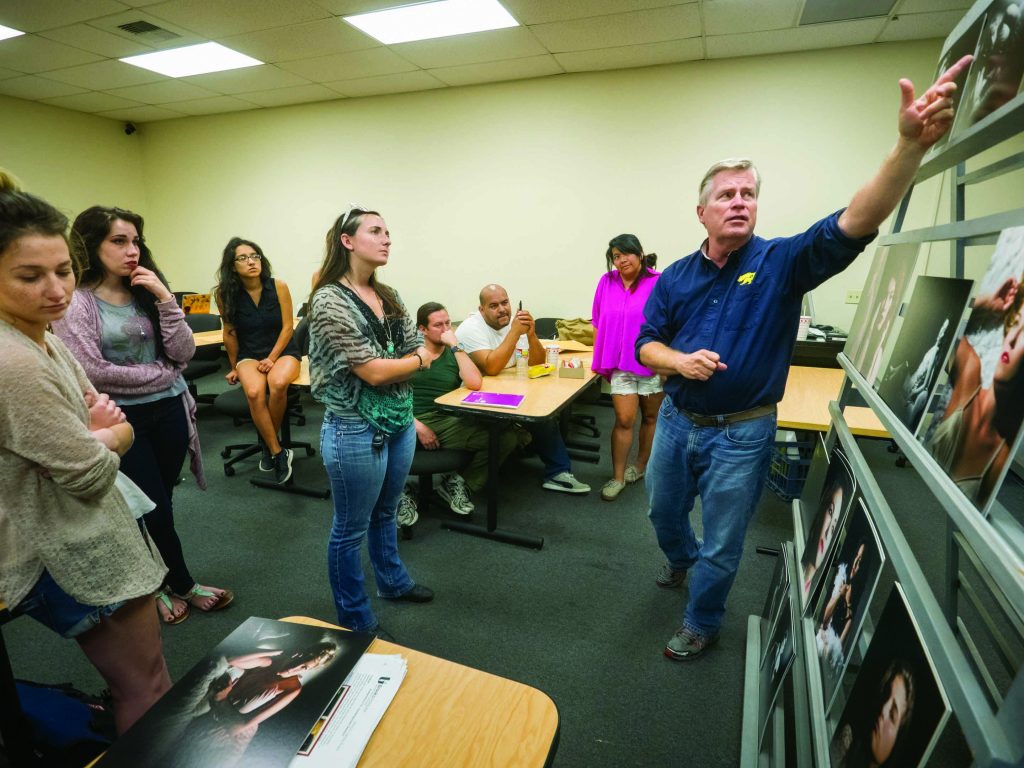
353, 209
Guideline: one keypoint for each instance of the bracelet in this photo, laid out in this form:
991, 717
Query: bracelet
422, 367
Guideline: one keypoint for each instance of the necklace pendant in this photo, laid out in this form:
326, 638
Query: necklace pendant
391, 349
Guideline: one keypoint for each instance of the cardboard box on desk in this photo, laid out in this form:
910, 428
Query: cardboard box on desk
572, 373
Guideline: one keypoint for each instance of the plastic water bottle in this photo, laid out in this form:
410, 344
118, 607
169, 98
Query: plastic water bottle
522, 359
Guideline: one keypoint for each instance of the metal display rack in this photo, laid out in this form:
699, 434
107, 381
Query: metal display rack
984, 554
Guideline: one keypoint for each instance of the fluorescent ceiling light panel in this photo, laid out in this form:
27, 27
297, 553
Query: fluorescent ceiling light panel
192, 60
425, 21
6, 32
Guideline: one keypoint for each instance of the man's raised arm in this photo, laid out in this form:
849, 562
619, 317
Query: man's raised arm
922, 122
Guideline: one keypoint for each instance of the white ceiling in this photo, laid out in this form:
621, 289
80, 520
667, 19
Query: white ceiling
69, 58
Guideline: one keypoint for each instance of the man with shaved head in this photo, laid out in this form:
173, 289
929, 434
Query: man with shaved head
490, 336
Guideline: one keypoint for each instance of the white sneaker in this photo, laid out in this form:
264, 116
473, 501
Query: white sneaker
407, 512
453, 490
566, 483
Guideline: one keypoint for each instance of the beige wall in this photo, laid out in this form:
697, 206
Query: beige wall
72, 159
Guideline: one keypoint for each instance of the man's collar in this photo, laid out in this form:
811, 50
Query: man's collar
734, 252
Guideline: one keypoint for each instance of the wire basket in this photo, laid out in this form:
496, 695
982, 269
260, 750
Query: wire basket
788, 469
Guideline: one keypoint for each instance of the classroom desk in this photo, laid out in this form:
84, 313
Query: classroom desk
447, 714
804, 406
546, 397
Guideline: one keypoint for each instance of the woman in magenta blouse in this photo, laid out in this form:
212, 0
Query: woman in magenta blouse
617, 315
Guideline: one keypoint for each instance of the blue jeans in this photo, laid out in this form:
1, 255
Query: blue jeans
726, 465
366, 483
550, 447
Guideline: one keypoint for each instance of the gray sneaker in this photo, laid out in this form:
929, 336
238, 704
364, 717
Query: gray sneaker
407, 512
283, 466
453, 490
687, 644
669, 577
266, 460
566, 483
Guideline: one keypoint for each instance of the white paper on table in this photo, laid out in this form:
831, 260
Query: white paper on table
343, 731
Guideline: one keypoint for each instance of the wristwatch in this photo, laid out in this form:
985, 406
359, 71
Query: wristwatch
457, 348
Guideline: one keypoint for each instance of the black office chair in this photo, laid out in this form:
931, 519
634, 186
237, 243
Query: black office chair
206, 360
426, 464
545, 327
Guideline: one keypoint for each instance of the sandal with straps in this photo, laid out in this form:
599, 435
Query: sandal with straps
165, 607
223, 600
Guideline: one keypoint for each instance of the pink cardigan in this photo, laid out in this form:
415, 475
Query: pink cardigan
617, 315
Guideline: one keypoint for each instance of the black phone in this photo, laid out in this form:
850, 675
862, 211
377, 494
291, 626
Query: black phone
520, 306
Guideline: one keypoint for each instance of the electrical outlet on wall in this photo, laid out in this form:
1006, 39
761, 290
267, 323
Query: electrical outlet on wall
853, 297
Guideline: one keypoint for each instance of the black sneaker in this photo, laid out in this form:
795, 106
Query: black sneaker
266, 460
283, 466
687, 644
418, 594
669, 577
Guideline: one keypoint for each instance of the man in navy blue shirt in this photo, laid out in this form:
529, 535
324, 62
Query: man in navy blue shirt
721, 324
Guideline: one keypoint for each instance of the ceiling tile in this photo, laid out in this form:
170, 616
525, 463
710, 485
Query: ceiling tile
673, 23
92, 102
374, 86
179, 36
828, 11
297, 41
350, 7
302, 94
493, 71
731, 17
214, 106
30, 53
545, 11
233, 17
140, 3
514, 43
920, 26
929, 6
95, 40
104, 75
35, 88
262, 78
342, 66
628, 56
6, 73
143, 114
35, 15
798, 39
164, 92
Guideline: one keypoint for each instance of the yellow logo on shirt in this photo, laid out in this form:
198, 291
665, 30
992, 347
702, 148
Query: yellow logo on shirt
746, 278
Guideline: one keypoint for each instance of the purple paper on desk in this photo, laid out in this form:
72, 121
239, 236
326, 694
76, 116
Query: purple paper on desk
499, 399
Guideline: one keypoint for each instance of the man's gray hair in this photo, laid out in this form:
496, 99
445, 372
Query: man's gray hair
729, 164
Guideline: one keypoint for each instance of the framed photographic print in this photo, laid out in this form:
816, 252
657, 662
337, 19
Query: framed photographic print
833, 504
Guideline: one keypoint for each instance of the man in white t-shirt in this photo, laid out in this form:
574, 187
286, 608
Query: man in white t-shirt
489, 336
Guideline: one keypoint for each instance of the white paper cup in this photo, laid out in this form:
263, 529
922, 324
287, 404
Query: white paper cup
805, 324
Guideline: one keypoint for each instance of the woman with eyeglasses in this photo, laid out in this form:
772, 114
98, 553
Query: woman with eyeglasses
256, 309
130, 336
364, 347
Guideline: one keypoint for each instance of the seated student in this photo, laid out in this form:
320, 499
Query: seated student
452, 368
490, 336
256, 309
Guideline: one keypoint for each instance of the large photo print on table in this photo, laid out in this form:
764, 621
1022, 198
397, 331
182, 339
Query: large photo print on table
897, 708
842, 607
878, 308
973, 425
922, 345
836, 499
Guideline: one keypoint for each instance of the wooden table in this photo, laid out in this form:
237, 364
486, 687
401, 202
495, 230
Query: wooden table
805, 404
544, 399
447, 714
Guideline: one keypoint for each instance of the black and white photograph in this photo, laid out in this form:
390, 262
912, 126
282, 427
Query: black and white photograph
974, 424
879, 306
839, 617
897, 709
995, 75
923, 341
778, 658
778, 593
952, 51
834, 503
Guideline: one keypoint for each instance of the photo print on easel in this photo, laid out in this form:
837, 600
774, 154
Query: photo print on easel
880, 303
953, 50
835, 501
922, 346
842, 608
777, 595
975, 423
775, 665
897, 708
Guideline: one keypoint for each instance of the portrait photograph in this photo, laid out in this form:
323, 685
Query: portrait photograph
896, 709
815, 479
775, 666
974, 421
880, 301
778, 593
834, 502
923, 341
844, 602
952, 51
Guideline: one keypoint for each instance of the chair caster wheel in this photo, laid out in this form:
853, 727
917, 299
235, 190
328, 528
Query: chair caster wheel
229, 471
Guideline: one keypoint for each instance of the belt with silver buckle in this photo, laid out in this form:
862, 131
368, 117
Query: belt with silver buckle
728, 418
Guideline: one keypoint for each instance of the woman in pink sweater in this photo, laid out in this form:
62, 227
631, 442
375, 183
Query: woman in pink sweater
617, 315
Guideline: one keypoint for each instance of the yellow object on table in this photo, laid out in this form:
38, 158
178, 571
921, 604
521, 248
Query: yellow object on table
544, 369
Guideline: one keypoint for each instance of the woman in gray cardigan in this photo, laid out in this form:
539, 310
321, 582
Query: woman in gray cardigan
71, 554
